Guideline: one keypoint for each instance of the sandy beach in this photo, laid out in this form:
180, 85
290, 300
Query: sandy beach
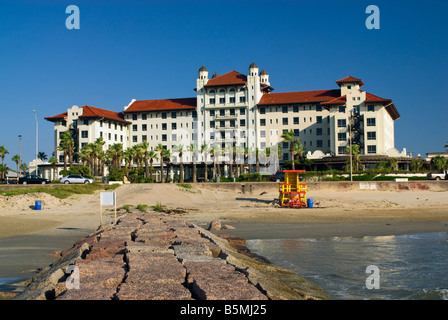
27, 236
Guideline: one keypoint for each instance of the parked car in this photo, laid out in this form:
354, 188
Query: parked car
75, 178
32, 179
279, 175
442, 175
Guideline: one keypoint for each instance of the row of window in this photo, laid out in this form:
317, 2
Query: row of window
222, 90
222, 100
163, 115
286, 109
342, 136
222, 112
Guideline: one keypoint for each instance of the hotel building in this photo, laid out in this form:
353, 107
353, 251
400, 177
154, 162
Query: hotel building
241, 110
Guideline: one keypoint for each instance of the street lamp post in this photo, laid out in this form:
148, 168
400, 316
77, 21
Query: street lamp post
20, 153
37, 140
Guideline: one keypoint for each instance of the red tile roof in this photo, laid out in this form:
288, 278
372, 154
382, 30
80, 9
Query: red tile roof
372, 98
165, 104
390, 106
339, 100
232, 77
92, 112
315, 96
324, 97
57, 117
350, 79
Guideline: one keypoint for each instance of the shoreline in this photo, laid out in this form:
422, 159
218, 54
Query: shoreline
336, 214
286, 230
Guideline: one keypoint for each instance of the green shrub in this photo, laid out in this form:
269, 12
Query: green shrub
117, 174
81, 170
249, 177
126, 207
142, 207
185, 185
158, 207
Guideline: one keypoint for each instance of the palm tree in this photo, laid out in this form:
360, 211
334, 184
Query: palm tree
230, 151
355, 155
128, 155
216, 152
53, 162
42, 156
162, 151
288, 136
138, 154
180, 149
257, 160
97, 148
64, 150
116, 151
68, 146
439, 162
3, 169
102, 159
84, 155
152, 155
3, 153
193, 148
204, 150
392, 163
416, 164
16, 159
23, 167
239, 154
89, 150
144, 149
298, 149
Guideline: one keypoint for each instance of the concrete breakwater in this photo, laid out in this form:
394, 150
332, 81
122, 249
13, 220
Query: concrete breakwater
156, 256
342, 186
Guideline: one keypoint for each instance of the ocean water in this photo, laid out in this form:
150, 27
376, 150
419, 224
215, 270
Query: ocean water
405, 267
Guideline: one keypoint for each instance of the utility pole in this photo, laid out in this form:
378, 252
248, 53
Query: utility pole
20, 155
37, 140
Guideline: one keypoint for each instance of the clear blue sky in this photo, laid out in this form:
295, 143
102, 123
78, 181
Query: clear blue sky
153, 50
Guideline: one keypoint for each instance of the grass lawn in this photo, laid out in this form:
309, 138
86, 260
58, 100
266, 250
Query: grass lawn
62, 192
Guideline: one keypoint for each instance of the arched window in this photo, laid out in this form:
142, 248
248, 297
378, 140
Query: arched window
222, 91
212, 91
231, 90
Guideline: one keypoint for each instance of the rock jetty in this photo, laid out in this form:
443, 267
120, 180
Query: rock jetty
156, 256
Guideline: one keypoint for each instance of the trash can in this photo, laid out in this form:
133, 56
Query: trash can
309, 203
37, 205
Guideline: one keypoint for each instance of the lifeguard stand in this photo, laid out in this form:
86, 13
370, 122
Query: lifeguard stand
292, 192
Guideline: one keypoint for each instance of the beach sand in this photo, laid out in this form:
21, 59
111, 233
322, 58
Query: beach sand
27, 237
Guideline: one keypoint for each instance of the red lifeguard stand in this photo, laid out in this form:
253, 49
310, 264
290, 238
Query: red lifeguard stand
292, 192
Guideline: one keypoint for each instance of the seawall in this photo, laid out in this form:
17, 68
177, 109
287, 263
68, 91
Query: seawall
257, 187
156, 256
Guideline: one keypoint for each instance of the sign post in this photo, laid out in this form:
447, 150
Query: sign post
108, 199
